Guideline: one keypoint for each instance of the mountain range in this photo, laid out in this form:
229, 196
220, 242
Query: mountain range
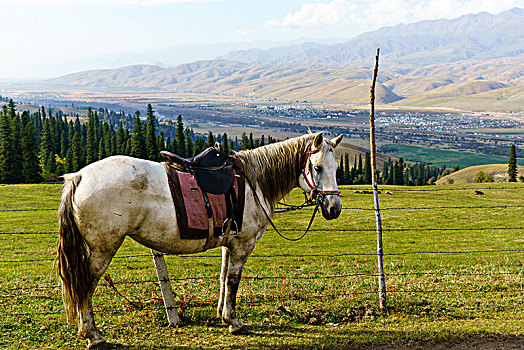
473, 62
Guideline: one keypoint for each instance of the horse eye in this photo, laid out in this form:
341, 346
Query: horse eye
318, 168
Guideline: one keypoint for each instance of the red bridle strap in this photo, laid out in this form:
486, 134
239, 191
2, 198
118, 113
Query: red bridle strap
309, 179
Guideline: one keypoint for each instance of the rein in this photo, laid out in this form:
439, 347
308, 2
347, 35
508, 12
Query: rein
317, 196
271, 221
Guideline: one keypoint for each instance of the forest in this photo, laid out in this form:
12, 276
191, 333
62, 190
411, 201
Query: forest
43, 145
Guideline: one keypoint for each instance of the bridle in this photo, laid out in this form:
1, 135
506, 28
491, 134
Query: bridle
315, 194
308, 177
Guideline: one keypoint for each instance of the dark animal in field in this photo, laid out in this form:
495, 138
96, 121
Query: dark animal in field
480, 193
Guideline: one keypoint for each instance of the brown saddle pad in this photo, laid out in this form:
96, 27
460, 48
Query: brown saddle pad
190, 207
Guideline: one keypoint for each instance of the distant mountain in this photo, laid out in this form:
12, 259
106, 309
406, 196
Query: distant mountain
474, 62
474, 36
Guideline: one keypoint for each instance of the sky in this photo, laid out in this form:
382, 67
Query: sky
47, 38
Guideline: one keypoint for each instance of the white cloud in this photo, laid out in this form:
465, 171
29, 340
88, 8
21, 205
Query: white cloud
94, 3
377, 13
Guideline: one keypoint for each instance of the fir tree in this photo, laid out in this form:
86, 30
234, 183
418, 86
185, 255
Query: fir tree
199, 146
244, 141
121, 140
151, 141
512, 164
225, 144
30, 150
180, 137
101, 150
367, 169
16, 146
347, 177
189, 142
64, 144
210, 140
138, 148
69, 161
77, 160
91, 143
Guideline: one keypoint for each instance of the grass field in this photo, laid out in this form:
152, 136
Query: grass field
437, 157
304, 294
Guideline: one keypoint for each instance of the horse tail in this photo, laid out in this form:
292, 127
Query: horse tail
72, 253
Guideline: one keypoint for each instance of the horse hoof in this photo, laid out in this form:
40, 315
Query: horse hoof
241, 331
97, 345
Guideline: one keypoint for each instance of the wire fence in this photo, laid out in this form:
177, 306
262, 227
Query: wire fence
315, 275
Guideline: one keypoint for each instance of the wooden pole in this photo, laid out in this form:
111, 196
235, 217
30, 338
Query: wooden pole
380, 251
165, 287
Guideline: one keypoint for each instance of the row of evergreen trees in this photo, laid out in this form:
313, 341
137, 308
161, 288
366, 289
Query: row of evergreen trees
393, 173
41, 146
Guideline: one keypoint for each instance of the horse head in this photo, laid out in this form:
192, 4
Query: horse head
318, 175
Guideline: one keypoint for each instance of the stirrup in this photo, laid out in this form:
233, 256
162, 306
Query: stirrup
226, 228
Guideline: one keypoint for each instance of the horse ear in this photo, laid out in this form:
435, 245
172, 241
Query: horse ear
336, 140
317, 142
218, 146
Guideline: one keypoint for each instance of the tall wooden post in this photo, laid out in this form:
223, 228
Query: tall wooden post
165, 287
380, 251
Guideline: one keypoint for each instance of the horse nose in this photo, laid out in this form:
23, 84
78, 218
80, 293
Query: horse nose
334, 212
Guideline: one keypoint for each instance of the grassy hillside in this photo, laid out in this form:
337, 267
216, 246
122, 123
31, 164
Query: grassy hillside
317, 292
491, 85
464, 176
437, 157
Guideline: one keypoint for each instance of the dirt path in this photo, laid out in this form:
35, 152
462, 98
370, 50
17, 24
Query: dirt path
477, 343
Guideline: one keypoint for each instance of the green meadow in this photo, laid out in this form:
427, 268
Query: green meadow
454, 273
438, 157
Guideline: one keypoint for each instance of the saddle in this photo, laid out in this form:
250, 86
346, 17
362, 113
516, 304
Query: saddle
213, 170
206, 180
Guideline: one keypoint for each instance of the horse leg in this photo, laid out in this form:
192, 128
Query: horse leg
223, 275
239, 253
98, 263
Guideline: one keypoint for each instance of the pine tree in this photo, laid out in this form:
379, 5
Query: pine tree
16, 146
262, 142
367, 169
101, 150
244, 141
64, 144
189, 142
91, 143
225, 144
340, 170
151, 141
199, 146
69, 161
160, 141
138, 148
76, 148
512, 164
210, 140
385, 173
180, 138
251, 143
121, 140
347, 177
30, 151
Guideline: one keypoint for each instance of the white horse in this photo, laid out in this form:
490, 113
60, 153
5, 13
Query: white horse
122, 196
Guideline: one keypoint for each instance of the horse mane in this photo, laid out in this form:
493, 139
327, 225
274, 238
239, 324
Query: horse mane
275, 168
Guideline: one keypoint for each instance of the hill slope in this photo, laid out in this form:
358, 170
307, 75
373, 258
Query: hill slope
474, 36
467, 175
441, 63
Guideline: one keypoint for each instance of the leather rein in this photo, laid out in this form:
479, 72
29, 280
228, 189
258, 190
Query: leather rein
316, 195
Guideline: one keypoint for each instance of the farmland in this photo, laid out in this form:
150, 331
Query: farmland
454, 273
439, 157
